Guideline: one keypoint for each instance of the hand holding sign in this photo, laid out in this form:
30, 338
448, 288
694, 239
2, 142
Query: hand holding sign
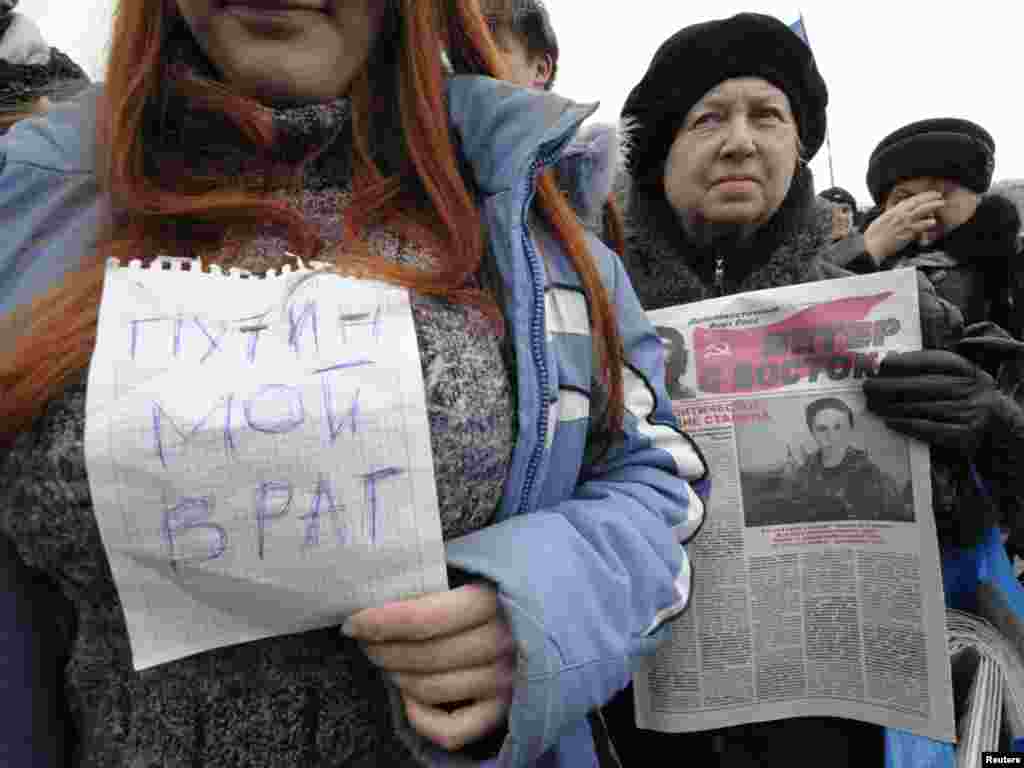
441, 649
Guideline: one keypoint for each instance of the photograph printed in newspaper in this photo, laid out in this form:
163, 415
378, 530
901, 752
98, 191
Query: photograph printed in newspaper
817, 585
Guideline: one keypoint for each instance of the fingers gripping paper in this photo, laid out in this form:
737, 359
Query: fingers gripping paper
258, 453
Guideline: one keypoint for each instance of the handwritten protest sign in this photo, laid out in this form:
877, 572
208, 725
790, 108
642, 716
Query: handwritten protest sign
258, 453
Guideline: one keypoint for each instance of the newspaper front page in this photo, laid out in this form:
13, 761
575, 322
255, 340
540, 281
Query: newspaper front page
817, 584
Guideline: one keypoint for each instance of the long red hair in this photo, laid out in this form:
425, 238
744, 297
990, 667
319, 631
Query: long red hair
425, 198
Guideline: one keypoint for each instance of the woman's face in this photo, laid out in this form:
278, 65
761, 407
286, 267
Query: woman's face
959, 204
285, 51
735, 155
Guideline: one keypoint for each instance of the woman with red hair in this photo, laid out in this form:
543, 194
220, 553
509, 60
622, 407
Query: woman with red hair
238, 134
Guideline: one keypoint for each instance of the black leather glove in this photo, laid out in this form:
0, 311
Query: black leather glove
986, 342
999, 353
948, 402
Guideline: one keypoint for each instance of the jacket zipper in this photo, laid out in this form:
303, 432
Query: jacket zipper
719, 274
536, 335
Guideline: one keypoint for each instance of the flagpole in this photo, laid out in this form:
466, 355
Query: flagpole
828, 138
828, 145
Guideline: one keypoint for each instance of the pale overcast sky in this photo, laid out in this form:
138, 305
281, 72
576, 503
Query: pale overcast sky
886, 63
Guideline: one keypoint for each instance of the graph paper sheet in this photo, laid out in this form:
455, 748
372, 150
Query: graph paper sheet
258, 453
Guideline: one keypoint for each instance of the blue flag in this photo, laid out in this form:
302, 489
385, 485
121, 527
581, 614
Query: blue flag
801, 31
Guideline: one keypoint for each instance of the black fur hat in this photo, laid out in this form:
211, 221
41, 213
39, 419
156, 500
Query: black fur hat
699, 57
839, 196
945, 148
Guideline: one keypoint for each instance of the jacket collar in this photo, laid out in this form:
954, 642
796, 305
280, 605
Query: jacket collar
503, 129
587, 170
64, 142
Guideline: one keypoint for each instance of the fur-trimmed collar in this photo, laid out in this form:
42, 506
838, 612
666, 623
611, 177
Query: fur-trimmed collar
668, 268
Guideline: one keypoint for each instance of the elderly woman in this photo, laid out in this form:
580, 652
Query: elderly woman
931, 181
845, 216
719, 197
937, 213
245, 132
719, 200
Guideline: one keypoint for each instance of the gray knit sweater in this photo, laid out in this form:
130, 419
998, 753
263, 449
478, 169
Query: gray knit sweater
310, 699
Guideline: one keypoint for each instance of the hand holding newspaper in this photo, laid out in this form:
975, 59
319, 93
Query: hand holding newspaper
817, 581
258, 454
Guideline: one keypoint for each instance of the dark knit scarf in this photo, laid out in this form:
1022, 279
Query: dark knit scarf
187, 142
668, 267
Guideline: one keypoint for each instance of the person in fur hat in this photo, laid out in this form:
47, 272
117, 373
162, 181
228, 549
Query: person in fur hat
718, 195
844, 211
931, 181
719, 200
31, 72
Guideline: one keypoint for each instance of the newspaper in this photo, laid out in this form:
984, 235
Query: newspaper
817, 584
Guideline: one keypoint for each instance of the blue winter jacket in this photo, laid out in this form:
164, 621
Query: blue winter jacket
587, 555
